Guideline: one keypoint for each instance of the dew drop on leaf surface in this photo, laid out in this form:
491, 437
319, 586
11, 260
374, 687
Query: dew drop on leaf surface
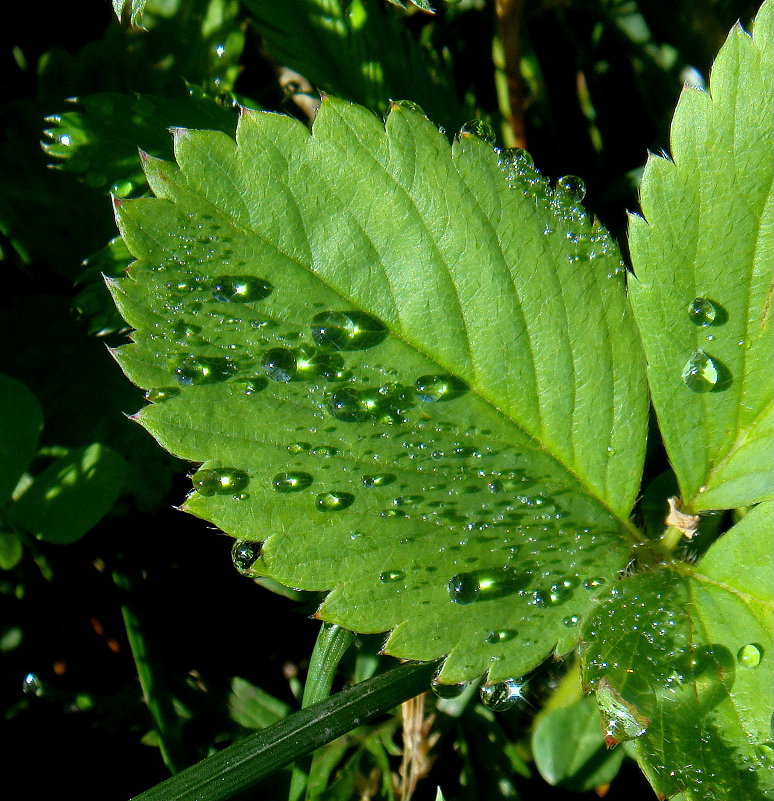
291, 482
432, 388
240, 289
702, 312
244, 554
464, 588
347, 330
279, 364
389, 576
749, 655
448, 690
334, 501
221, 481
700, 373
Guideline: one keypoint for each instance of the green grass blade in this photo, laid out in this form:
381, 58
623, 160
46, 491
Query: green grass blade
245, 763
707, 240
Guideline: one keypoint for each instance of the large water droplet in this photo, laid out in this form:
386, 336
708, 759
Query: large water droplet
158, 394
431, 388
749, 655
317, 363
560, 592
350, 330
279, 364
443, 690
346, 405
501, 696
220, 481
702, 311
571, 188
409, 105
594, 583
500, 636
244, 554
700, 373
32, 685
334, 501
391, 576
248, 386
324, 450
193, 370
240, 289
483, 130
291, 482
571, 621
464, 588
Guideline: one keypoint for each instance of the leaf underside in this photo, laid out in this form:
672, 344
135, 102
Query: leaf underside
709, 237
483, 414
690, 652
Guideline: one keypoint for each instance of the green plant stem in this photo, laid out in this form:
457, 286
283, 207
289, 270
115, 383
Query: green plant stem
245, 763
332, 643
152, 677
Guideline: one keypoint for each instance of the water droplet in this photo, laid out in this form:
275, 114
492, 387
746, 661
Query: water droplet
515, 158
700, 373
240, 289
571, 188
221, 481
378, 480
248, 386
431, 388
540, 599
749, 655
594, 583
32, 685
448, 690
346, 405
350, 330
334, 501
560, 592
291, 482
279, 364
193, 370
501, 696
122, 188
220, 50
503, 635
622, 719
158, 394
483, 130
324, 450
389, 576
571, 621
299, 447
464, 588
244, 554
702, 312
317, 363
410, 106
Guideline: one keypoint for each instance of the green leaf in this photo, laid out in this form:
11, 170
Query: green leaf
252, 707
707, 241
684, 658
71, 495
465, 410
10, 550
359, 50
98, 140
569, 750
129, 9
20, 426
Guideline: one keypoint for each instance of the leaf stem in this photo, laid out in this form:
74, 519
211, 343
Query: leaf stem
248, 761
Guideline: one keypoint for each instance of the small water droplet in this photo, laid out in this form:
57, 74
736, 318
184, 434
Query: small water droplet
749, 655
122, 188
221, 481
248, 386
32, 685
279, 364
702, 312
377, 480
244, 554
158, 394
448, 690
571, 621
594, 583
220, 50
193, 370
503, 635
318, 363
240, 289
501, 696
390, 576
432, 388
350, 330
464, 588
291, 482
483, 130
571, 188
560, 592
323, 450
334, 501
409, 105
540, 599
700, 373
